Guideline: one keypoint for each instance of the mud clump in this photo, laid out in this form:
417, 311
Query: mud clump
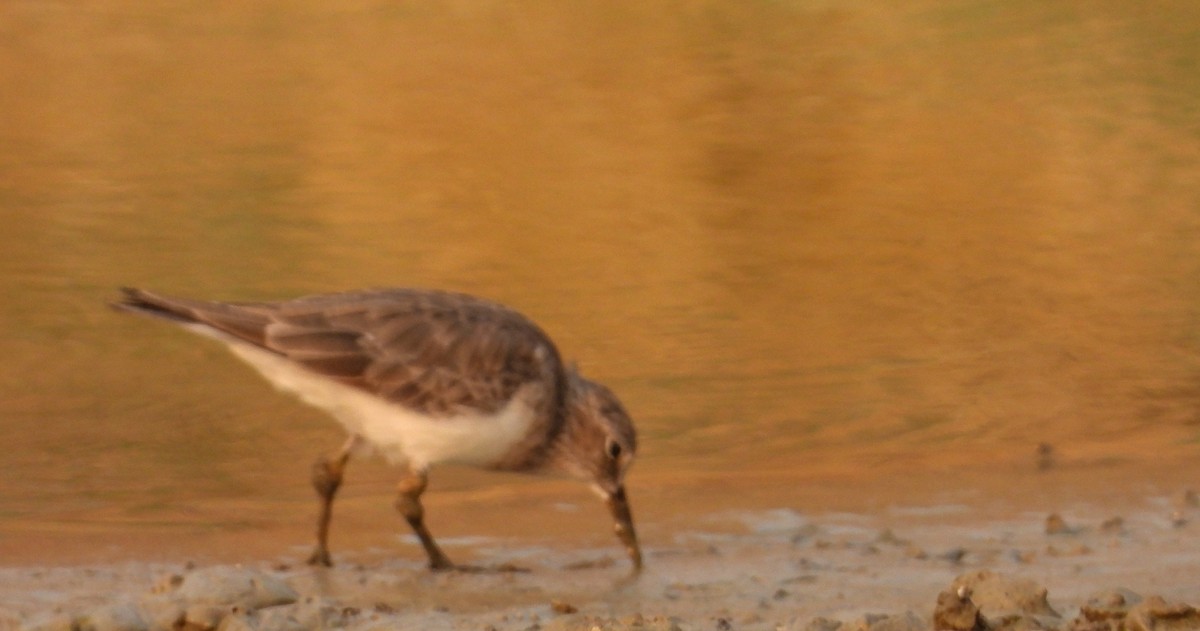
956, 612
1105, 611
997, 594
988, 601
1123, 610
1150, 614
1156, 614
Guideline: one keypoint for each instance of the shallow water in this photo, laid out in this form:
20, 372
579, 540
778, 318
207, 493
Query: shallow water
810, 237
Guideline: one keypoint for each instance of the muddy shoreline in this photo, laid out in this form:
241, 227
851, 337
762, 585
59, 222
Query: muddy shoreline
1092, 564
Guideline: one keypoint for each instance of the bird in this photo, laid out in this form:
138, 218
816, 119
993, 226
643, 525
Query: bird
425, 377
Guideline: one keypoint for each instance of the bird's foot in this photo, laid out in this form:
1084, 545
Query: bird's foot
320, 557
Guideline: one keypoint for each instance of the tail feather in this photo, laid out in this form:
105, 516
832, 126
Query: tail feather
242, 322
134, 300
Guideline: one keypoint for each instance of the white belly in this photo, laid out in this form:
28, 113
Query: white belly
401, 435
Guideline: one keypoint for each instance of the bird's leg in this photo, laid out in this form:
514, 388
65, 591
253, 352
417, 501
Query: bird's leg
326, 479
408, 502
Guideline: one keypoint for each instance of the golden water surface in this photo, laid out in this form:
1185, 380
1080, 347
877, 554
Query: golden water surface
804, 240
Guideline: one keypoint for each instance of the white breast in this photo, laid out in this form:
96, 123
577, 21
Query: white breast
403, 436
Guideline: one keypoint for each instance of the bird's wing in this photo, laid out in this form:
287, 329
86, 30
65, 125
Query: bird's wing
434, 352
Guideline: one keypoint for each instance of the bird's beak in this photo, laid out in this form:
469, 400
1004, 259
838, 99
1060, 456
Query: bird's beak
618, 505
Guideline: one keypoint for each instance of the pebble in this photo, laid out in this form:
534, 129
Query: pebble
1113, 526
888, 537
1178, 519
1106, 609
1023, 556
954, 555
1056, 525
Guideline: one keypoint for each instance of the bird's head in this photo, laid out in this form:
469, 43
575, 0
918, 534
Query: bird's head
601, 445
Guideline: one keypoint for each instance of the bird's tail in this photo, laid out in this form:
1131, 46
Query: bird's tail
143, 302
245, 321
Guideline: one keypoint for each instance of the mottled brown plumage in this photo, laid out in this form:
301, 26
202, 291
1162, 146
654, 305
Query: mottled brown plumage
436, 359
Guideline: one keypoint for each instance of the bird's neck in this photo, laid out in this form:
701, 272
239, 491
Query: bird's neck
567, 428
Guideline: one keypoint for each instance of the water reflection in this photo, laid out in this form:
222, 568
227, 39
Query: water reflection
788, 233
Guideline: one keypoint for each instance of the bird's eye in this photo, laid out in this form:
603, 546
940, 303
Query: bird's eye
613, 448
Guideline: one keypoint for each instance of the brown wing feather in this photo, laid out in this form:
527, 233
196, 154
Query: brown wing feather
434, 352
438, 352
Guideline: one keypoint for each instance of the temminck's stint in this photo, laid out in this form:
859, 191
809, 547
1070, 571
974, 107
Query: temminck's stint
425, 378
